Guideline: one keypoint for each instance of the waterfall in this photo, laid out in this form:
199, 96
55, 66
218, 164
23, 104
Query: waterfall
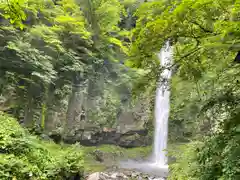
158, 164
162, 107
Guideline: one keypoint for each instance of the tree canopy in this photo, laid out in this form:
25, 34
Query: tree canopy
204, 106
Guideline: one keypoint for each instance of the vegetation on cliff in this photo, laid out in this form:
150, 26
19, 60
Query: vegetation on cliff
62, 63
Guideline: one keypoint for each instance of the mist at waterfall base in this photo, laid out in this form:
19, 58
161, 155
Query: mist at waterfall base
157, 163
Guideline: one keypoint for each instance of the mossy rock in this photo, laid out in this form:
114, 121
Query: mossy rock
134, 140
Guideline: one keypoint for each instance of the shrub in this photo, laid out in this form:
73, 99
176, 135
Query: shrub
26, 157
186, 165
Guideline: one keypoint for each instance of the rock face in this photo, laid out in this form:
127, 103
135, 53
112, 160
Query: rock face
134, 139
121, 176
129, 139
129, 128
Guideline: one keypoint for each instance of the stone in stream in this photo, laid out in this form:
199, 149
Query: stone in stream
134, 174
114, 175
104, 176
121, 176
94, 176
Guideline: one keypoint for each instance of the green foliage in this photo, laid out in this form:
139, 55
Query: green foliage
199, 29
14, 10
26, 157
186, 166
205, 85
106, 109
213, 120
60, 45
59, 62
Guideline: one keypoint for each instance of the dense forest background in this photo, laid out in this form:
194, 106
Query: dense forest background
65, 62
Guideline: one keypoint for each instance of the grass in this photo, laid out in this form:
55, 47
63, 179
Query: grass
111, 155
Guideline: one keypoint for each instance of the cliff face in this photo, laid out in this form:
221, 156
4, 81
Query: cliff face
126, 125
129, 139
130, 129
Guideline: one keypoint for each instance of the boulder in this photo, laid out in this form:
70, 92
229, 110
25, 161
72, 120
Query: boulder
134, 140
94, 176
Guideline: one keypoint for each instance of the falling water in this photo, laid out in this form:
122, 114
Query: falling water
158, 164
162, 107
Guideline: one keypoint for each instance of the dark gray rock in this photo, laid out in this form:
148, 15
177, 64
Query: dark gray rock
129, 139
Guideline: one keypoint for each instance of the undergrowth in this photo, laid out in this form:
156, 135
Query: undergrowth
27, 157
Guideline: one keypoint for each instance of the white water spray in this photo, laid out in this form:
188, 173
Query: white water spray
162, 107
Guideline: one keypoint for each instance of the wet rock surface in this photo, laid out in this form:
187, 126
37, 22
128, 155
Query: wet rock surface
124, 175
129, 139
